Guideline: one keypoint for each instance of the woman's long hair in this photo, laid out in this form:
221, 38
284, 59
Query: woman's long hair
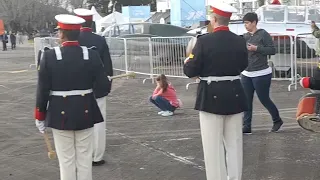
162, 79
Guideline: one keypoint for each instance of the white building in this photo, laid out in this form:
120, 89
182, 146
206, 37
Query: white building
163, 5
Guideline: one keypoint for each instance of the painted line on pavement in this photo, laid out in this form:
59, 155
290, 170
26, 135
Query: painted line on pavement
14, 72
184, 160
186, 132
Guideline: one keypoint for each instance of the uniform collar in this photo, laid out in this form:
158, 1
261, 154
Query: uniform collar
221, 28
70, 43
86, 29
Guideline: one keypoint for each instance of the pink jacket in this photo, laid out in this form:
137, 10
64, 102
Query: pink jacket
170, 95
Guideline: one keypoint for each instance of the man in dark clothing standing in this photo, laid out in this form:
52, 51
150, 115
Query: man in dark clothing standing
217, 59
89, 39
257, 76
13, 41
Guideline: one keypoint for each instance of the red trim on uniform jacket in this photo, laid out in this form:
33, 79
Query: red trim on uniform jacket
69, 26
221, 28
70, 43
86, 29
41, 116
221, 13
306, 82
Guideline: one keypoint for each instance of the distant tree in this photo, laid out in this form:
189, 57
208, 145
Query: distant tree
100, 5
29, 15
76, 3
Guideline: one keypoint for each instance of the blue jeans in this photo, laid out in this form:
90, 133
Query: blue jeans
162, 104
261, 85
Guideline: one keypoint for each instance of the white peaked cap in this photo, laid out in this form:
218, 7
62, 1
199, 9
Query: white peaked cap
69, 22
223, 9
84, 13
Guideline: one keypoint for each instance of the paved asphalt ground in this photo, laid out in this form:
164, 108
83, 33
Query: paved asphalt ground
142, 145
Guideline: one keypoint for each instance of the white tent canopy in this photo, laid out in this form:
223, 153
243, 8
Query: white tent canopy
113, 18
96, 15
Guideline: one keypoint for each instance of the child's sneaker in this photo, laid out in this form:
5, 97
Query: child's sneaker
161, 112
167, 113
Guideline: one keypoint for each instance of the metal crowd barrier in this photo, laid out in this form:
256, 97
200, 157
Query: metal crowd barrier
305, 59
149, 56
40, 44
169, 55
282, 63
118, 54
295, 55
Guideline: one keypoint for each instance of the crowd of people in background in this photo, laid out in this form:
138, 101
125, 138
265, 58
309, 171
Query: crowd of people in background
13, 37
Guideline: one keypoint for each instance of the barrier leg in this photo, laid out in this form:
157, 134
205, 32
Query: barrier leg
297, 77
151, 78
196, 82
144, 80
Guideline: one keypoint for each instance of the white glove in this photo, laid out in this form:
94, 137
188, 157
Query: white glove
40, 126
301, 83
186, 60
304, 82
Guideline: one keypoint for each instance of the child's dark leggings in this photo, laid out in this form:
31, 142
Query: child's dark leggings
162, 104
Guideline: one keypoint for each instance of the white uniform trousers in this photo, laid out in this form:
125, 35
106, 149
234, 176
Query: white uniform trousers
222, 145
99, 145
74, 151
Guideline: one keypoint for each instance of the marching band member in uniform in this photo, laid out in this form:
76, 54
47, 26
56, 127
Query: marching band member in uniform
312, 82
89, 39
308, 107
65, 101
217, 59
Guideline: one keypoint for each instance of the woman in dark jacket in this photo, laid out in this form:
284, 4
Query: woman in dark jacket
4, 41
257, 76
13, 40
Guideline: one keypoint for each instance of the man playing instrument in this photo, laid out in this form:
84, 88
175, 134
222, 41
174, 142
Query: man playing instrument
217, 59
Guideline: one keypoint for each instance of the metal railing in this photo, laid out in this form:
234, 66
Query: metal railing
149, 56
41, 43
282, 62
295, 56
305, 59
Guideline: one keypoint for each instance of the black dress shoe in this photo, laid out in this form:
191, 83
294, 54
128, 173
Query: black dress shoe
98, 163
